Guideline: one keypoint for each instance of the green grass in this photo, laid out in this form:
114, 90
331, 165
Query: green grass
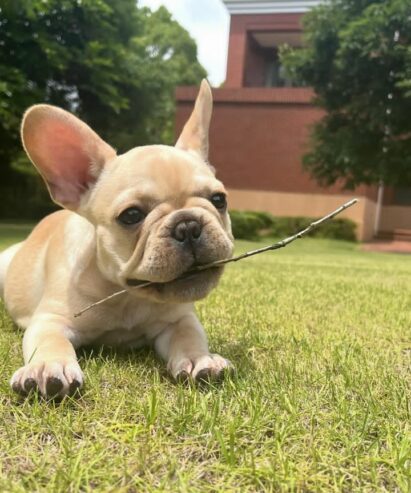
321, 335
12, 233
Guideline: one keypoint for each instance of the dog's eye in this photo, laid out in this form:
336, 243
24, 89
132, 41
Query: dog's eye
219, 201
130, 216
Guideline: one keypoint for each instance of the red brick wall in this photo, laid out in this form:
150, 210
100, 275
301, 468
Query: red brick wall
258, 136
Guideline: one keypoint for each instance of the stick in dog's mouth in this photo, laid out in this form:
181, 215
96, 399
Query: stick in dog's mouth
138, 284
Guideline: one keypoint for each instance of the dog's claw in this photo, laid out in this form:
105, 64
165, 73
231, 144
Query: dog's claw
16, 387
74, 387
228, 371
30, 385
182, 377
204, 375
53, 386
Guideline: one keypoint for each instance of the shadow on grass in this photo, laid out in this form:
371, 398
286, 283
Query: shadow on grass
146, 356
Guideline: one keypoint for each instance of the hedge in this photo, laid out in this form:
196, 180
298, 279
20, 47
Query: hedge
23, 204
251, 225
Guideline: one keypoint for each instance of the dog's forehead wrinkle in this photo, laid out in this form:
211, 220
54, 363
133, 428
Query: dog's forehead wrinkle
156, 159
157, 174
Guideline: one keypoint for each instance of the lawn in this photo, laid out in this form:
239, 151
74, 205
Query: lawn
320, 333
12, 233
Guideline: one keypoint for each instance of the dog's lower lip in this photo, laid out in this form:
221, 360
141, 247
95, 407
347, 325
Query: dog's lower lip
138, 282
135, 282
189, 273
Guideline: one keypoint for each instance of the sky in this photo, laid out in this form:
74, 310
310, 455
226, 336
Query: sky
208, 23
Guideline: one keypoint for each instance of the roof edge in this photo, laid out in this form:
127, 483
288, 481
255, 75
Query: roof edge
236, 7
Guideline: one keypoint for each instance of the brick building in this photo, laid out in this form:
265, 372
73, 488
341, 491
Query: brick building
260, 127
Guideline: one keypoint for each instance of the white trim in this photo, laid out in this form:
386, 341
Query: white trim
269, 6
380, 197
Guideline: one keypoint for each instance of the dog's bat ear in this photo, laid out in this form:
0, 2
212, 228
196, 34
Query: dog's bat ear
194, 136
68, 153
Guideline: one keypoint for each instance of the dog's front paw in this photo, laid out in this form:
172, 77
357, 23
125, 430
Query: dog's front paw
52, 378
203, 368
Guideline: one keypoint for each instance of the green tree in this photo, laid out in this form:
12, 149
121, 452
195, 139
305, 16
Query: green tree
357, 57
112, 63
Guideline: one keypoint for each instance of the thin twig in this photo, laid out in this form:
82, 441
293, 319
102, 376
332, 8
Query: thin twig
218, 263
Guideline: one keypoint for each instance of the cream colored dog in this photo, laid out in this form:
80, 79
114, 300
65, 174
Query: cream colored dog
149, 214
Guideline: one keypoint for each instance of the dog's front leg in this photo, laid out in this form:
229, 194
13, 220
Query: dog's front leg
184, 346
50, 359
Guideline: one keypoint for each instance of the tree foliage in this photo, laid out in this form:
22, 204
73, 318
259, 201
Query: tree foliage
357, 57
112, 63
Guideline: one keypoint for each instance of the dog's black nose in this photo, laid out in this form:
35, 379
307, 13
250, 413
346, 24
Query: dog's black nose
187, 231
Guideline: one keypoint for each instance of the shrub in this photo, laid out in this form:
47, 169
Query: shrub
246, 225
249, 225
338, 229
266, 218
24, 204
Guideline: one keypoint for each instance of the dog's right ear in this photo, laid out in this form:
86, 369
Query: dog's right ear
194, 136
68, 153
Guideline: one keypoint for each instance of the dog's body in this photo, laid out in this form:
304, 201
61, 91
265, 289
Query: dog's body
149, 214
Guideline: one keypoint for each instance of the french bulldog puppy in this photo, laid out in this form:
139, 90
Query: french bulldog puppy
149, 214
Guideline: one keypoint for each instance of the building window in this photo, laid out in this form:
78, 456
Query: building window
275, 73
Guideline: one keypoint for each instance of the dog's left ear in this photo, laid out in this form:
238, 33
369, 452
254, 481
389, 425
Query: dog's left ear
194, 136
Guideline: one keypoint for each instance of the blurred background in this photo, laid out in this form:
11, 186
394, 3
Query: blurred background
312, 99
